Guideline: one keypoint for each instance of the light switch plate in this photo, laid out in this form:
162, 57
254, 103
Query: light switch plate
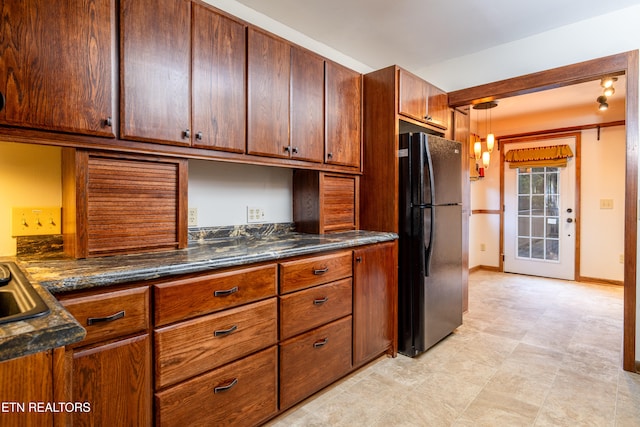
606, 203
35, 221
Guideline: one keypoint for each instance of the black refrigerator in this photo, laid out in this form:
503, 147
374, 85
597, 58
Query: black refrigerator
430, 229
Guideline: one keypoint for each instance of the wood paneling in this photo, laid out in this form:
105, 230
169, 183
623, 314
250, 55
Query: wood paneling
218, 81
269, 62
57, 65
155, 88
461, 133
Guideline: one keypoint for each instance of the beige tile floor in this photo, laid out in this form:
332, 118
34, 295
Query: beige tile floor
531, 352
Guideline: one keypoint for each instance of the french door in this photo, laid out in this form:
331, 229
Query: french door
540, 217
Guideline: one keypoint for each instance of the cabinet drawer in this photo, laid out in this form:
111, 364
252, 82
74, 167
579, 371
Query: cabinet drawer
304, 310
110, 314
313, 360
198, 345
241, 393
186, 298
307, 272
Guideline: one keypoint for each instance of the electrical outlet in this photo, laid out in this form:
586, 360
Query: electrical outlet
35, 221
255, 214
483, 247
621, 258
606, 203
193, 217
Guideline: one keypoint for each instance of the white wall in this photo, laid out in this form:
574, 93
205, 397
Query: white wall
222, 192
29, 177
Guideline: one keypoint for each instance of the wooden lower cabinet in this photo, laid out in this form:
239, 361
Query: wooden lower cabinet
115, 378
242, 393
313, 360
375, 313
26, 381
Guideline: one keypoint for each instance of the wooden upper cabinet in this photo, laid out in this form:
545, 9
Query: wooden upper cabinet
343, 114
155, 70
307, 106
218, 76
269, 62
56, 71
421, 100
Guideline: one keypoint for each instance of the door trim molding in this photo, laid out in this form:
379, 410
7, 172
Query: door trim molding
621, 63
578, 159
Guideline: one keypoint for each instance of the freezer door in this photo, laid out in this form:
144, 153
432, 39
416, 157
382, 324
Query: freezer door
443, 182
441, 282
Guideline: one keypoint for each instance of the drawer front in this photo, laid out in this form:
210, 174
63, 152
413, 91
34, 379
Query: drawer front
241, 393
110, 314
194, 296
307, 272
313, 360
306, 309
190, 348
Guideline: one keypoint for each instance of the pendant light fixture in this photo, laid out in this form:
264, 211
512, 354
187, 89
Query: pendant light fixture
490, 140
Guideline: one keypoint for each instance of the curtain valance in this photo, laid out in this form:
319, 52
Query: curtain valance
538, 157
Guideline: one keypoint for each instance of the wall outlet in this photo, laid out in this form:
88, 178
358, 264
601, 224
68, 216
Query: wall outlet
606, 203
621, 258
483, 247
255, 214
35, 221
193, 217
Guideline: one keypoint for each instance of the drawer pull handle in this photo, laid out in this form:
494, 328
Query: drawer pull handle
320, 301
320, 271
225, 292
227, 387
320, 343
116, 316
225, 332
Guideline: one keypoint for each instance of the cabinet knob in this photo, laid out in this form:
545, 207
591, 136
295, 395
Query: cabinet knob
2, 101
359, 259
287, 149
427, 118
295, 150
329, 155
186, 134
199, 136
108, 122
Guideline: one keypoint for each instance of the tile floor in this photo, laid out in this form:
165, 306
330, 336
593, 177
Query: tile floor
531, 352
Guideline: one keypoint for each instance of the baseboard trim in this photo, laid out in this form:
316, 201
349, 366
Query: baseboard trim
603, 281
484, 267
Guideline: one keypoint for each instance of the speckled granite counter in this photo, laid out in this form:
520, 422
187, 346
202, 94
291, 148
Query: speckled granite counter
62, 275
68, 275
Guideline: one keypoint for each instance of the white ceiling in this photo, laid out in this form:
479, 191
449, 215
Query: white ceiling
417, 33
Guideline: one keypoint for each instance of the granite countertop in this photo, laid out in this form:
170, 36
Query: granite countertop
59, 274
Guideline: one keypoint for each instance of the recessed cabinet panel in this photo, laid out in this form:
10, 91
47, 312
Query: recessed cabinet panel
218, 81
307, 106
268, 95
57, 62
343, 110
155, 60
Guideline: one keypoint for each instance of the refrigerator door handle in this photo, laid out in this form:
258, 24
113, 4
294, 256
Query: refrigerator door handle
428, 248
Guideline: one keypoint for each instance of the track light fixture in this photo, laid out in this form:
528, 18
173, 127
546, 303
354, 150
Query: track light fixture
608, 90
602, 100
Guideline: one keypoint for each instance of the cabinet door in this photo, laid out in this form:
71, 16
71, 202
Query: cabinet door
218, 81
412, 96
375, 301
268, 94
115, 379
438, 107
307, 106
26, 381
57, 65
343, 97
155, 62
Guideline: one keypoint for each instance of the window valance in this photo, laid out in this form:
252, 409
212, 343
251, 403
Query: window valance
550, 156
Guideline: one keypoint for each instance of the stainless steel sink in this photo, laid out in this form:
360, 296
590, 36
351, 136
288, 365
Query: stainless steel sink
18, 299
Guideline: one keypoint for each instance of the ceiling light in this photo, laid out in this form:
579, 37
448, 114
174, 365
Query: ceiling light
609, 91
608, 81
602, 100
